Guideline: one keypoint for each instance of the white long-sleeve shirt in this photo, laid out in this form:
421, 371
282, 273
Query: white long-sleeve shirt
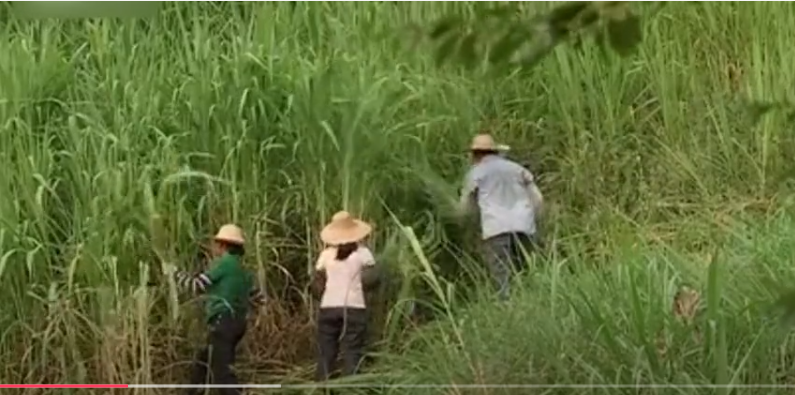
506, 194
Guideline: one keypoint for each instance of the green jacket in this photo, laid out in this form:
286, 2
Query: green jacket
227, 286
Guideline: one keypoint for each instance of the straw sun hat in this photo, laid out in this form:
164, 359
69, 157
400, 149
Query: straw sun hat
344, 229
485, 142
230, 233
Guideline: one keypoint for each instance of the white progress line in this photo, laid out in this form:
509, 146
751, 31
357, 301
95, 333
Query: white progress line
208, 386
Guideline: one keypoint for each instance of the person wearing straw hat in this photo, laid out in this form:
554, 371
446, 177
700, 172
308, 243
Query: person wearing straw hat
508, 200
229, 289
345, 267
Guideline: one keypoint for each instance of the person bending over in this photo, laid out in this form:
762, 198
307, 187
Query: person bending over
509, 201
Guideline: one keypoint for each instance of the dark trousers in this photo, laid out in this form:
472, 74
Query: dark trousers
504, 254
339, 327
225, 332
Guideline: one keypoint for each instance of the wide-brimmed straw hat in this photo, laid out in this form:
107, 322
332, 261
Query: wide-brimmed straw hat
344, 229
230, 233
485, 142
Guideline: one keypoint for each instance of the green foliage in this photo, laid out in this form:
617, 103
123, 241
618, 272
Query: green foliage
576, 328
759, 109
126, 141
624, 32
508, 35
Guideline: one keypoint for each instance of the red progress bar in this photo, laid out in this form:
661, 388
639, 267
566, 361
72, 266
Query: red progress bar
63, 386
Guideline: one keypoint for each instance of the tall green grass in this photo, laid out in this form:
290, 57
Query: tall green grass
617, 326
126, 141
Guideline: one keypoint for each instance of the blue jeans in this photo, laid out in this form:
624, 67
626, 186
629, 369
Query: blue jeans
503, 254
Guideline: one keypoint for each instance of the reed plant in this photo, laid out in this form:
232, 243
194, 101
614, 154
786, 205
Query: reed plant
126, 141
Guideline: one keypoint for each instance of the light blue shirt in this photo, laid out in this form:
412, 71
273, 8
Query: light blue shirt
501, 188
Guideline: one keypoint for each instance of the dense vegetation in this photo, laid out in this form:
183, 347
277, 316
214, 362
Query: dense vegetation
125, 142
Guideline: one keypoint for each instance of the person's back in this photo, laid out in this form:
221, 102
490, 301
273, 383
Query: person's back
507, 196
230, 293
344, 277
502, 196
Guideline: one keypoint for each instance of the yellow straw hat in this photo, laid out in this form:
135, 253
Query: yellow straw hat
230, 233
344, 229
484, 142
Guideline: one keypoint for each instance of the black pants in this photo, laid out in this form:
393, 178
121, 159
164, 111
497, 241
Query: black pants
225, 332
346, 327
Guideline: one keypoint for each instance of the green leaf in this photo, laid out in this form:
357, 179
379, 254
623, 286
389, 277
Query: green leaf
466, 49
535, 55
717, 331
571, 18
601, 43
444, 26
506, 46
759, 109
501, 12
567, 13
446, 48
786, 306
588, 17
624, 34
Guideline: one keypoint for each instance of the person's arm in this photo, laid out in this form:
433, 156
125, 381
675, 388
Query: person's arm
536, 198
198, 283
256, 297
318, 281
371, 273
468, 193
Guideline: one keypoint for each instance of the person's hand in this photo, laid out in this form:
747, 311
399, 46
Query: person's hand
318, 284
258, 300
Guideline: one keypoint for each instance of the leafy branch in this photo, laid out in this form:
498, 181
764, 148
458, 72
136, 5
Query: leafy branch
506, 36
